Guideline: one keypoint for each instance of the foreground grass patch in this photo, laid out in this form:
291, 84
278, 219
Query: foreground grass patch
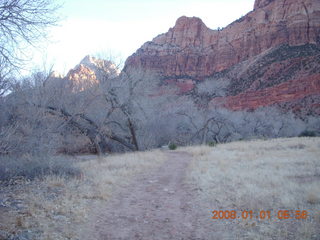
259, 175
55, 207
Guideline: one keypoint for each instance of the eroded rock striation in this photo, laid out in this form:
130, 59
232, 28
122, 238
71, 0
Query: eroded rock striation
275, 45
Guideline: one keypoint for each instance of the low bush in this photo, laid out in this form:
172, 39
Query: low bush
172, 146
307, 133
211, 144
31, 167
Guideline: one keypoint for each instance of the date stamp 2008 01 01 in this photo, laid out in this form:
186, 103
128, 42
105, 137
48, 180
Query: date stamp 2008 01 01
261, 214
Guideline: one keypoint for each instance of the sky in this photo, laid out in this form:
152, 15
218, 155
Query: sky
115, 29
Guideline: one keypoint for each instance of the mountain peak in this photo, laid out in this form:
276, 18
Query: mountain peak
90, 60
189, 26
188, 31
184, 21
55, 74
190, 52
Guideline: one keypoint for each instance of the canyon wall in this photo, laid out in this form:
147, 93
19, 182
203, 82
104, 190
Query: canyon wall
190, 53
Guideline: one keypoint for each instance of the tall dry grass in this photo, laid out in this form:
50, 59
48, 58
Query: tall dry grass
56, 207
259, 175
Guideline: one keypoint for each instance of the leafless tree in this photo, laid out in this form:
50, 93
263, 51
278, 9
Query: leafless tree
5, 73
208, 125
116, 111
22, 24
137, 102
221, 125
132, 111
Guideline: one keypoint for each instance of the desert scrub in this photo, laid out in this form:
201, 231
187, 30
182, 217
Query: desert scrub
173, 146
211, 144
31, 167
307, 133
56, 206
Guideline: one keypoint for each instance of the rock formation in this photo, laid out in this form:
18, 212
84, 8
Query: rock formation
88, 73
81, 78
274, 50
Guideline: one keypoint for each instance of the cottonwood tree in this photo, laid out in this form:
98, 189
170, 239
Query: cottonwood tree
46, 109
313, 124
26, 130
137, 101
112, 114
222, 125
5, 73
266, 122
129, 112
85, 111
22, 24
204, 124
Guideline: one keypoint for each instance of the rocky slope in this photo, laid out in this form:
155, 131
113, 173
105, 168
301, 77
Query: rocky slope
286, 75
270, 56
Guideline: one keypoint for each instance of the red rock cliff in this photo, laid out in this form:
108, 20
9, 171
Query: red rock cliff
190, 51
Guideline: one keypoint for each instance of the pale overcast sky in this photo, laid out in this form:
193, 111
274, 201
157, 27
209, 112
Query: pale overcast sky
122, 26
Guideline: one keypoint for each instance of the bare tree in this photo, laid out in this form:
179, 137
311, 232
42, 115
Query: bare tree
112, 114
4, 77
132, 111
208, 125
136, 101
22, 23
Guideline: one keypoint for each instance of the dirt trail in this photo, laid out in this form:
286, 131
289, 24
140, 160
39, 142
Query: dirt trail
156, 206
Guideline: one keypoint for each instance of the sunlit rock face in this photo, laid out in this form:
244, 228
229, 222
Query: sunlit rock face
81, 78
287, 30
103, 69
88, 73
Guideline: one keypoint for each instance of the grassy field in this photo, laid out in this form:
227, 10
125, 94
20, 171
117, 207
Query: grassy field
271, 175
56, 207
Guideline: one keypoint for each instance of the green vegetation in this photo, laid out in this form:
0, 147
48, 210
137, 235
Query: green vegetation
173, 146
307, 133
211, 144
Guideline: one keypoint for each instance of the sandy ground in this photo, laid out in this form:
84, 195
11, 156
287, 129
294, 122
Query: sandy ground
158, 205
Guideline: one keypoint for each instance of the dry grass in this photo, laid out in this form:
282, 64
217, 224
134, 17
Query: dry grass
56, 207
273, 175
258, 175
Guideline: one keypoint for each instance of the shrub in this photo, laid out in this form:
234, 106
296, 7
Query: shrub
172, 146
31, 167
211, 144
307, 133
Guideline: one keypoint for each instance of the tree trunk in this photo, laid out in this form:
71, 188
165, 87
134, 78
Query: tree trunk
133, 134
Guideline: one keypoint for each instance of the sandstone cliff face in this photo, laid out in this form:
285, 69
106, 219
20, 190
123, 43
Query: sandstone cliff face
88, 73
81, 78
190, 51
101, 68
261, 3
290, 91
